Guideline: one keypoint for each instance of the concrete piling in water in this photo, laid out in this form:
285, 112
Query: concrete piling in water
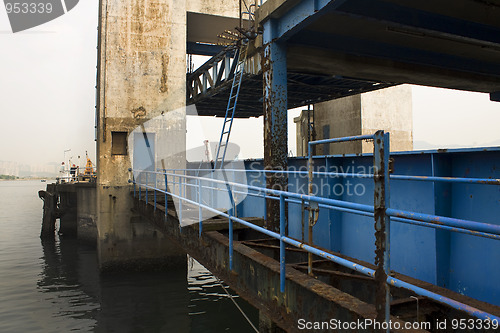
50, 212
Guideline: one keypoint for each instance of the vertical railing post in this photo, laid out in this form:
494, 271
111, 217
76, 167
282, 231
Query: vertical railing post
200, 212
310, 168
214, 186
265, 196
184, 191
147, 201
166, 190
381, 151
180, 200
133, 181
140, 179
282, 244
155, 192
387, 254
230, 213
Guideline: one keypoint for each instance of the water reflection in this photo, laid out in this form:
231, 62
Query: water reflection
188, 299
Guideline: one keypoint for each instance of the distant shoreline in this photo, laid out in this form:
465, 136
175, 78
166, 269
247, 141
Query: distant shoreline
30, 178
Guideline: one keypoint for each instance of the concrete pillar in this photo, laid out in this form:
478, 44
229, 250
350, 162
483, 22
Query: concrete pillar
141, 76
68, 209
275, 119
86, 213
50, 212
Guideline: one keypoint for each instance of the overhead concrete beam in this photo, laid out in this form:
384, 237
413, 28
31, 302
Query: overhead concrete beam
322, 61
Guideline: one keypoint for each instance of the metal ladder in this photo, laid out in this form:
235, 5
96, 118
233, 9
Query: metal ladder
231, 107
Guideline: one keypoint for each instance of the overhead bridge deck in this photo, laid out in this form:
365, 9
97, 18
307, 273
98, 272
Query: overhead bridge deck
209, 87
333, 49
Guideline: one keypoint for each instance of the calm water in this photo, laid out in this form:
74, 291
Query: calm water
56, 286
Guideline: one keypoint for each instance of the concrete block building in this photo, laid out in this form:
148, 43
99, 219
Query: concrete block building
389, 109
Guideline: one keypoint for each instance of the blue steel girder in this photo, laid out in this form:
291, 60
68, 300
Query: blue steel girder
437, 23
274, 70
308, 11
203, 49
424, 21
366, 47
299, 16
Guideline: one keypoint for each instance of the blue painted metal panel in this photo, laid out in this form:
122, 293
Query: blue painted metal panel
463, 263
441, 167
414, 256
474, 268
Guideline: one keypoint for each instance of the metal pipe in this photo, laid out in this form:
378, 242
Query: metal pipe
166, 201
466, 224
344, 139
282, 244
310, 167
200, 212
310, 242
480, 181
382, 232
448, 221
147, 201
302, 210
180, 202
230, 213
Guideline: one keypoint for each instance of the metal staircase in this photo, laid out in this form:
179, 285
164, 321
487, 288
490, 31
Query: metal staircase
231, 106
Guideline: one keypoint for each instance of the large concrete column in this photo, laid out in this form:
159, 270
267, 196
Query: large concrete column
141, 75
275, 119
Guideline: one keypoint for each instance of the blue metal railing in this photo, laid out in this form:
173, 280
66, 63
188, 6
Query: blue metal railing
199, 184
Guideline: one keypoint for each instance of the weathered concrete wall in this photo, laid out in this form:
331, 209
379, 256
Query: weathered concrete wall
86, 213
68, 211
141, 75
389, 109
214, 7
338, 118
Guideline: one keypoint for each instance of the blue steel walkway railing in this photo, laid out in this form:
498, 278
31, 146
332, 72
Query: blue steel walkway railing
379, 210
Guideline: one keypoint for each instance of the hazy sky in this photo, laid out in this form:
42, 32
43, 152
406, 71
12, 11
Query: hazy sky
47, 98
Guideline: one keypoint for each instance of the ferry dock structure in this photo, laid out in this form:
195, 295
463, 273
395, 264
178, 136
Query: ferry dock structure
405, 237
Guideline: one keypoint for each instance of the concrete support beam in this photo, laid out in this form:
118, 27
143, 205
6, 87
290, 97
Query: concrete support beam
275, 119
141, 76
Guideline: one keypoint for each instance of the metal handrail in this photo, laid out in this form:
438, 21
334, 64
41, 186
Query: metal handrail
395, 214
380, 142
308, 248
481, 181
